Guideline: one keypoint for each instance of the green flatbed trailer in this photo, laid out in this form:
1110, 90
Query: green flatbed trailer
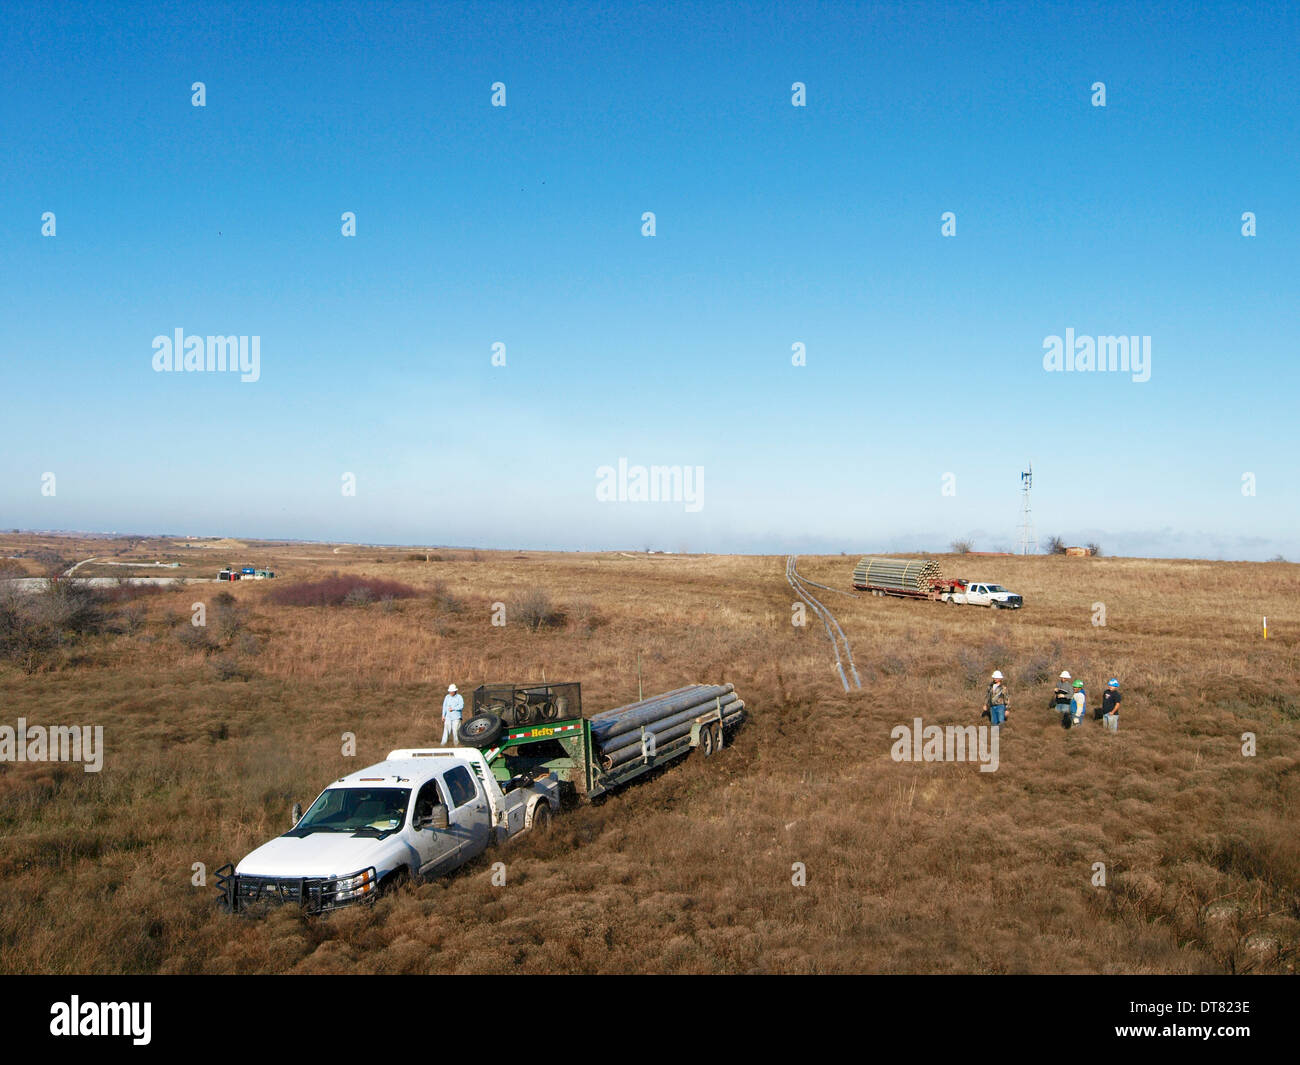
565, 748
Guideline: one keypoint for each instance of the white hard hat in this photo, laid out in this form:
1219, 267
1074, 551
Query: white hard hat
1065, 674
451, 687
997, 674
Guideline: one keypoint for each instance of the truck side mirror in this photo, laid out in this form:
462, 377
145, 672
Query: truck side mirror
439, 819
297, 813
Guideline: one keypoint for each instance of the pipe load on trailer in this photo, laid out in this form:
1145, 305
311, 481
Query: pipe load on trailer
591, 756
619, 735
897, 576
621, 719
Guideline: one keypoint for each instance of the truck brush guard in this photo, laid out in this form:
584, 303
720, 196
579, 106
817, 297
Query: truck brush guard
315, 894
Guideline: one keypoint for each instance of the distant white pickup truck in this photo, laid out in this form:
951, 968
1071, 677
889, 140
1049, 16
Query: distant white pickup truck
979, 593
418, 814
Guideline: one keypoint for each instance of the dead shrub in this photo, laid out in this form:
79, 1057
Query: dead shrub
536, 611
336, 590
229, 667
445, 601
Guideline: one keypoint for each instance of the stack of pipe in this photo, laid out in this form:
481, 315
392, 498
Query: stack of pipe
617, 733
903, 574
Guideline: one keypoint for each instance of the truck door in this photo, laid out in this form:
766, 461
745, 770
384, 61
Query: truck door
437, 847
470, 817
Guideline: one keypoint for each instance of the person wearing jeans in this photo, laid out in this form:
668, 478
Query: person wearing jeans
1110, 705
1061, 697
1078, 706
996, 700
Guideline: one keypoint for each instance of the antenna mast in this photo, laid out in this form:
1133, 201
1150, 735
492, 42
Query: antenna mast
1028, 541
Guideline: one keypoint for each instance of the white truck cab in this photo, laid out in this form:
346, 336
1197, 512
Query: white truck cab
981, 593
419, 813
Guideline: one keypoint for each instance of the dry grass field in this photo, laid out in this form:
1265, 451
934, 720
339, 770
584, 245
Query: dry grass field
910, 867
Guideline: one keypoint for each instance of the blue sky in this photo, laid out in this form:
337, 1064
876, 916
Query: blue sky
775, 224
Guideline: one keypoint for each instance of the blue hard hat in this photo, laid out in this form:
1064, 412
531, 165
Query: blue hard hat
1112, 683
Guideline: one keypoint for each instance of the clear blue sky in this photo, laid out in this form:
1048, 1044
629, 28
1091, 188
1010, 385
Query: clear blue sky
775, 224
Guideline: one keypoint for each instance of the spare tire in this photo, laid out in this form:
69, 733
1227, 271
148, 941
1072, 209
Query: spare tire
481, 730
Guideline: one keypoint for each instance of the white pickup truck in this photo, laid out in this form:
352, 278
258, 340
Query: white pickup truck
419, 813
981, 593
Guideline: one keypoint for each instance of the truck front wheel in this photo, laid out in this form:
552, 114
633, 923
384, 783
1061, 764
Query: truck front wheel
394, 880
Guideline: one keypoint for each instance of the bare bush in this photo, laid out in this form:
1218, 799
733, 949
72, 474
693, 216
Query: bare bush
229, 667
133, 619
583, 616
34, 626
445, 601
335, 590
962, 547
228, 621
1038, 670
51, 563
536, 611
194, 637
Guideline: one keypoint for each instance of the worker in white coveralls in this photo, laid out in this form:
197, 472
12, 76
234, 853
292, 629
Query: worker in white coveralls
452, 705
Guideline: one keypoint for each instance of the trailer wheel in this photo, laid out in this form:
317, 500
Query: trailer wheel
706, 741
481, 730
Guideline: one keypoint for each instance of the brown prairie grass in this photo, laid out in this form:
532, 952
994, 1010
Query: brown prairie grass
910, 868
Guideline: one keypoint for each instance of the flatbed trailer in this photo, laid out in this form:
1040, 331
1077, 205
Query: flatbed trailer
566, 748
939, 590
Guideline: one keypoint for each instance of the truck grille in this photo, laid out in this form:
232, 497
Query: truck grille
312, 893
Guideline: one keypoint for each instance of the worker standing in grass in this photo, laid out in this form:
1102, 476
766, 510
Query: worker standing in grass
1110, 705
452, 705
1078, 705
1061, 697
995, 702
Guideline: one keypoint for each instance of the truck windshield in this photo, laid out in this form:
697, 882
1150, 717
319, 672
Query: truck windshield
356, 810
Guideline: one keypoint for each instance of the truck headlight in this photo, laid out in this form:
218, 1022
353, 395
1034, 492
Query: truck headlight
357, 884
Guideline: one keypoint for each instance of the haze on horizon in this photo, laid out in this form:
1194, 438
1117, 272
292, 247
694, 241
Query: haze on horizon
780, 230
